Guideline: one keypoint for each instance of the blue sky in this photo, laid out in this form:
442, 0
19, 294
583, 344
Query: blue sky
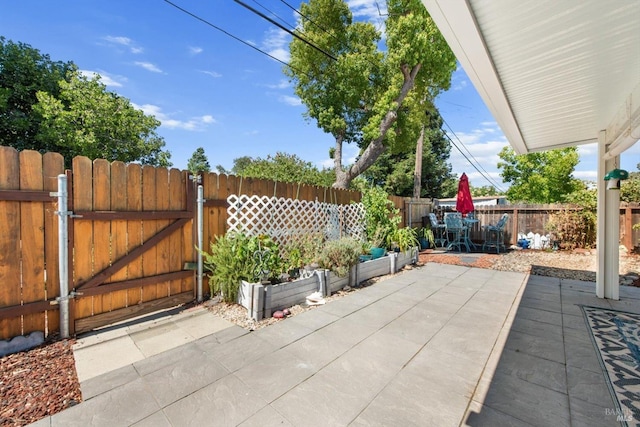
212, 91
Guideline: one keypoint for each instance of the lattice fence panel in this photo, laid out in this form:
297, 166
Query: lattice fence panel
282, 219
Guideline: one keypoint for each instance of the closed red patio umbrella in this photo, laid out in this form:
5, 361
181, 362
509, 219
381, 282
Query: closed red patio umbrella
464, 202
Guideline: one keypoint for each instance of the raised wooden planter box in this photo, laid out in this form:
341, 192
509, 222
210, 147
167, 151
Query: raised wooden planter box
262, 300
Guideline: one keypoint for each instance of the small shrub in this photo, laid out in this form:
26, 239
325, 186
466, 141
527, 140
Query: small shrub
574, 229
405, 238
339, 255
302, 250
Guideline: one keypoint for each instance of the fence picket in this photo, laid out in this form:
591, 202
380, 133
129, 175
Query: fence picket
83, 232
101, 229
162, 248
174, 243
9, 241
118, 190
134, 230
32, 237
149, 229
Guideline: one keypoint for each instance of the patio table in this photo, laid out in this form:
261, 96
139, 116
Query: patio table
469, 223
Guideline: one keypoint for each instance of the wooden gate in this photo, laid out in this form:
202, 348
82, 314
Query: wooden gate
130, 237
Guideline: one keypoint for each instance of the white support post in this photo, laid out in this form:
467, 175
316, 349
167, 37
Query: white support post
608, 236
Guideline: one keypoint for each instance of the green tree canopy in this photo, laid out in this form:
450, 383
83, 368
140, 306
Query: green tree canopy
485, 190
630, 188
24, 72
281, 167
87, 120
198, 162
544, 177
360, 93
50, 106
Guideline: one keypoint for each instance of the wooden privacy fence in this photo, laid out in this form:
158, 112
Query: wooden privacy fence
129, 237
525, 218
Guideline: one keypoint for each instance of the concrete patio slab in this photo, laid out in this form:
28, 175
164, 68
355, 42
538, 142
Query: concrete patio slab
418, 349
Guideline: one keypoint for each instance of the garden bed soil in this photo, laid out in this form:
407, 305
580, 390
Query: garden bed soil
43, 381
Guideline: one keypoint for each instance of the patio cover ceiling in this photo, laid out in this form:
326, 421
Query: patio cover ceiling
553, 73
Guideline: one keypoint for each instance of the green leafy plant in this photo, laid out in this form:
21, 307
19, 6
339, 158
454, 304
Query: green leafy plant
381, 216
427, 234
302, 250
405, 238
235, 257
339, 255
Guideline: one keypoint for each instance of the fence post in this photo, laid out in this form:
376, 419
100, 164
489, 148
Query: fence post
63, 251
200, 202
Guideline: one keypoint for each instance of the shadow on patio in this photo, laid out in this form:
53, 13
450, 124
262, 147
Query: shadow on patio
544, 369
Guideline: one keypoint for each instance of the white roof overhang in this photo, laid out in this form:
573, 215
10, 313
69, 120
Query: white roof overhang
552, 73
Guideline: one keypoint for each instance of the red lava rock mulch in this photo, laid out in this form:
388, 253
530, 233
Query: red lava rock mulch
37, 383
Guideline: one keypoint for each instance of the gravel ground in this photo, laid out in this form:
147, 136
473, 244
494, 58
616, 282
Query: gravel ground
43, 381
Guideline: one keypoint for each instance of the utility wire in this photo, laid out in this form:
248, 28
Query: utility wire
275, 14
483, 173
193, 15
467, 150
302, 39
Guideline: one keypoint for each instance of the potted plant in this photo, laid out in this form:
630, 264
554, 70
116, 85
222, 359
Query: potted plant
403, 238
381, 219
377, 242
426, 238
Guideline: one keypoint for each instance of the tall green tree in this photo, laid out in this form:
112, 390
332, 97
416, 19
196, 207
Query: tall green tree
24, 72
544, 177
198, 162
282, 167
485, 190
87, 120
394, 171
361, 93
49, 106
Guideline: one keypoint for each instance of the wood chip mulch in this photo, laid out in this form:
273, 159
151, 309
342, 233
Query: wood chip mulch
37, 383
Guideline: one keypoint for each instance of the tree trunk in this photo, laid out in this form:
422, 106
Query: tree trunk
375, 147
417, 174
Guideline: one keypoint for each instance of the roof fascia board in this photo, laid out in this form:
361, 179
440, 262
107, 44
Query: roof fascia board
456, 22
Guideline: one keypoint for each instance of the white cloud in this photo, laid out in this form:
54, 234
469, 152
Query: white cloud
211, 73
290, 100
193, 50
283, 84
371, 10
481, 146
124, 41
276, 44
148, 66
197, 123
105, 78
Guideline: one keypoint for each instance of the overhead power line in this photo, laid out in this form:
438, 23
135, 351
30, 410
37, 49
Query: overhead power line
282, 27
473, 163
193, 15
